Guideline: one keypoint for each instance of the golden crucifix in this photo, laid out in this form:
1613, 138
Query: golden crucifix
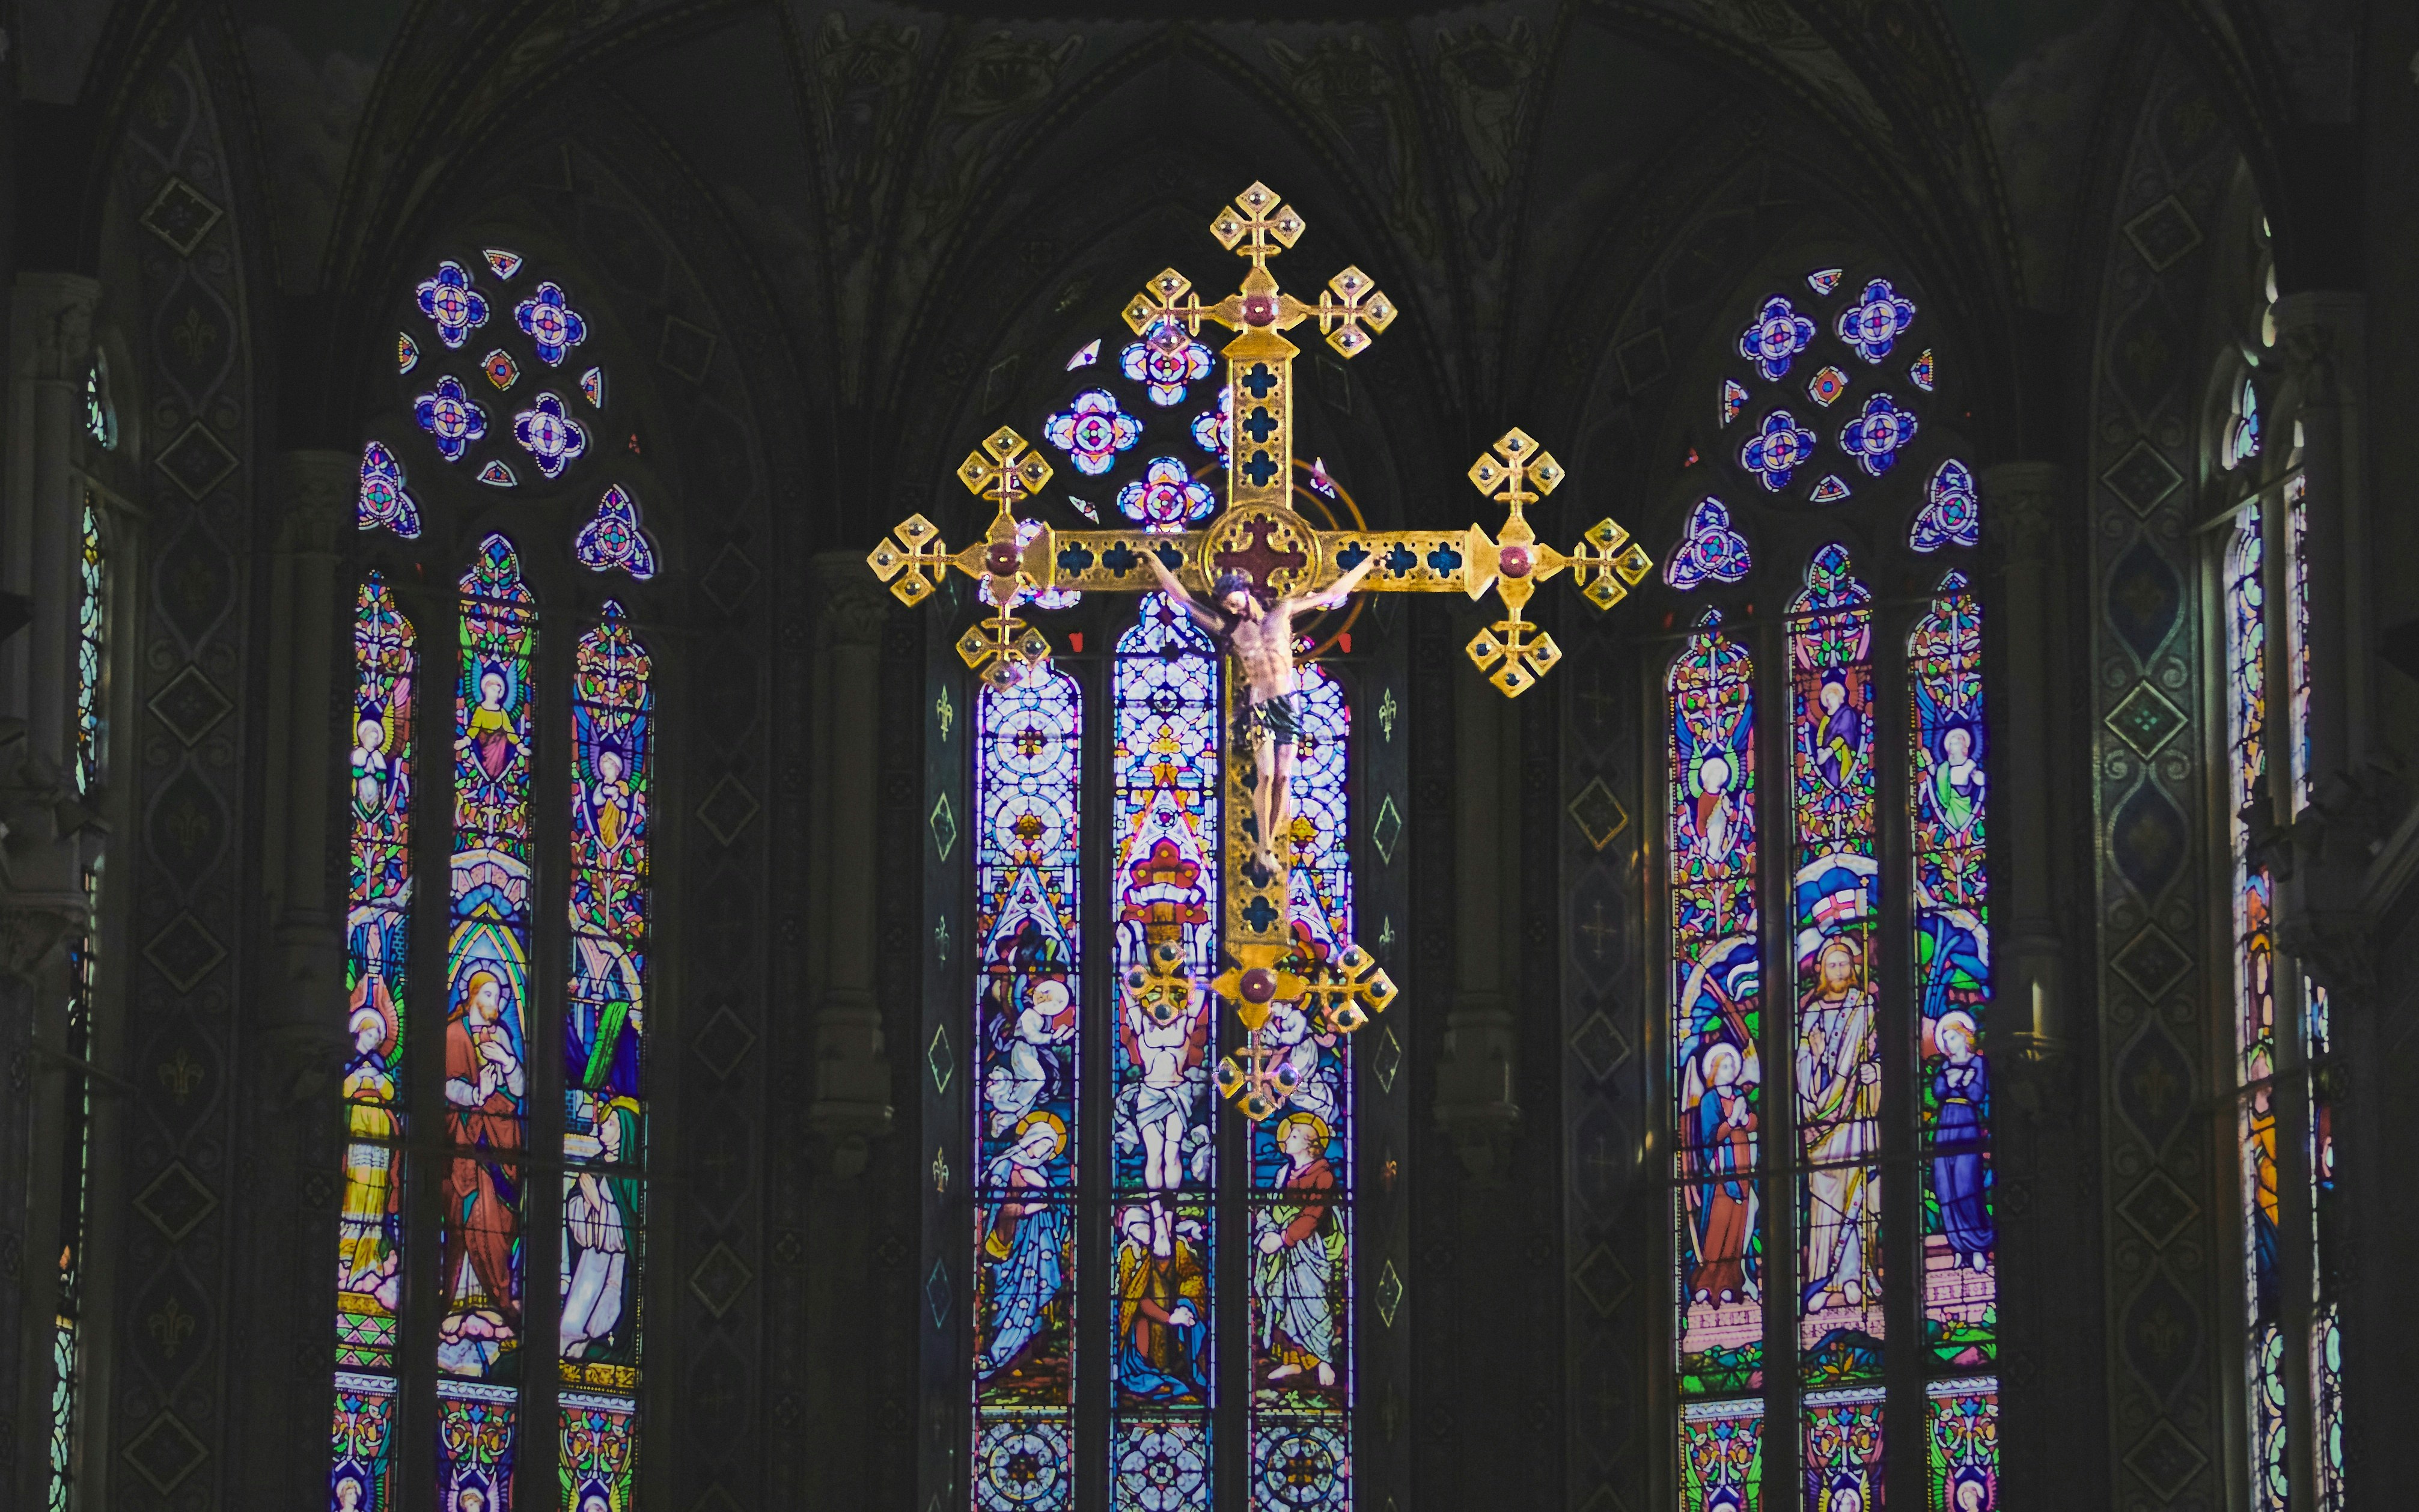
1282, 555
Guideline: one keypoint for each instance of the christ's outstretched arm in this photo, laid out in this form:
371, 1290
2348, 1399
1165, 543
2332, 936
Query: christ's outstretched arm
1338, 591
1208, 618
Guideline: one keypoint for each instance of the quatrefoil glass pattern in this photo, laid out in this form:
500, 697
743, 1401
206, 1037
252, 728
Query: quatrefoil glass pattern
1778, 450
1872, 324
1875, 438
553, 327
1166, 498
451, 418
1775, 337
1709, 549
1092, 431
1214, 430
1164, 363
551, 438
453, 305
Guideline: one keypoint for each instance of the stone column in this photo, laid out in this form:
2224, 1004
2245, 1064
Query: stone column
303, 1018
2021, 504
1475, 1070
852, 1097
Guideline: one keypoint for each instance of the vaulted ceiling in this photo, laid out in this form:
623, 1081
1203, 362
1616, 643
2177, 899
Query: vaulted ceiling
920, 190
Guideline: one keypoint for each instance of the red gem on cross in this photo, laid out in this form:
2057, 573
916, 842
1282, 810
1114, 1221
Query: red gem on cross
1513, 560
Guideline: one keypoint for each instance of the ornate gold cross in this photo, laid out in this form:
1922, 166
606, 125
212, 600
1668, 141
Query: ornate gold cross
1259, 534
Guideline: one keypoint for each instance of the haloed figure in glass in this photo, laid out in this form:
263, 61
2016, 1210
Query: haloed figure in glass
600, 1211
1722, 1155
1300, 1247
1162, 1305
485, 1084
1025, 1245
1961, 1085
1838, 1108
1260, 636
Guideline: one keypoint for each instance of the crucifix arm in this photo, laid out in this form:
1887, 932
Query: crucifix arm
1204, 617
1341, 589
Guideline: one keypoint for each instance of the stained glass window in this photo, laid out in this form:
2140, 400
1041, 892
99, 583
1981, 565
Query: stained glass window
1162, 1170
2242, 436
75, 1193
604, 1041
1301, 1190
99, 414
489, 439
482, 1266
378, 919
1795, 1184
1947, 799
1027, 1018
2254, 997
1717, 1071
92, 665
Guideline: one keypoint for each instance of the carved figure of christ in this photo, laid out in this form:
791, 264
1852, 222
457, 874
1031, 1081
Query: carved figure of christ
1261, 640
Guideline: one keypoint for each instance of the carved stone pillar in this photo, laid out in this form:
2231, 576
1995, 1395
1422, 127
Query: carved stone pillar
300, 1017
1478, 1060
2022, 505
851, 1097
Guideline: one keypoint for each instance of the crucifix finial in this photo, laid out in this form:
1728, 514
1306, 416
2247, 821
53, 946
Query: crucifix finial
1258, 214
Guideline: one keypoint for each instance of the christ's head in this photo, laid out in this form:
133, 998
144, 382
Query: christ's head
1233, 592
1839, 967
485, 998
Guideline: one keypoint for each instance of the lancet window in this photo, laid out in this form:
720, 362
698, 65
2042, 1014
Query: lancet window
1826, 773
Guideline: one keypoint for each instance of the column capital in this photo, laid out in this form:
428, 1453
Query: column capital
316, 489
51, 316
2320, 335
850, 606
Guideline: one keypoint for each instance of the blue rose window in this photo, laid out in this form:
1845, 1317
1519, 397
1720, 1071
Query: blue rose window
552, 325
1874, 438
549, 435
451, 418
1167, 499
1164, 361
1876, 320
1709, 549
1777, 333
1092, 431
451, 304
1780, 449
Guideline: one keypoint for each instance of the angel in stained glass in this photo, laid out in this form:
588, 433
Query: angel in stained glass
1025, 1242
1260, 636
1301, 1246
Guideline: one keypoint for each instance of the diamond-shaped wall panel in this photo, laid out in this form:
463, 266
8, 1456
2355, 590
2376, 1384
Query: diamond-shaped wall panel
185, 952
1600, 1046
719, 1278
1598, 813
1602, 1279
165, 1452
2164, 1460
197, 460
726, 810
2146, 720
2159, 1209
2142, 478
179, 215
724, 1041
190, 705
175, 1201
2150, 963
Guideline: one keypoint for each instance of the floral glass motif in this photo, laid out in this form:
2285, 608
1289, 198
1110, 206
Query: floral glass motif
378, 932
1919, 371
1721, 1457
1844, 1450
501, 369
92, 664
486, 1129
1162, 1166
1027, 744
1946, 784
1085, 355
451, 417
383, 499
1040, 597
1778, 450
1733, 399
1775, 337
1874, 324
100, 411
605, 1064
1830, 490
1084, 507
1835, 912
1214, 430
613, 539
1300, 1454
1709, 549
1876, 436
1164, 361
1824, 279
2245, 612
1827, 384
552, 326
1092, 431
1717, 1007
407, 353
451, 304
1951, 513
1320, 481
497, 476
501, 263
591, 387
1962, 1448
551, 438
1166, 498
